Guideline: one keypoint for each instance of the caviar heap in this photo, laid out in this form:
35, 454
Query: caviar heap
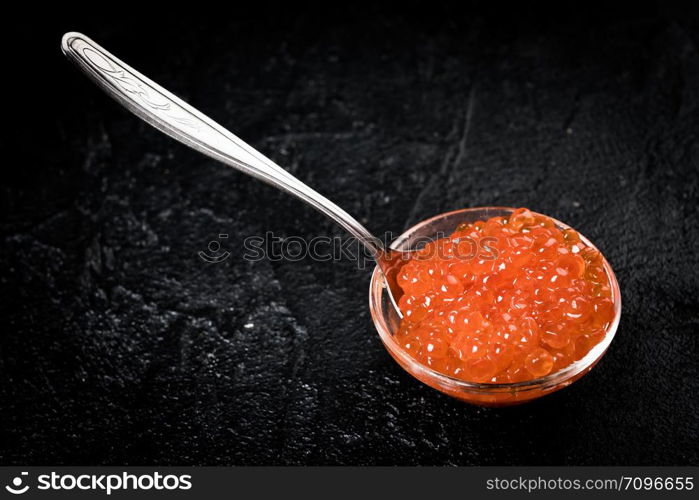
504, 300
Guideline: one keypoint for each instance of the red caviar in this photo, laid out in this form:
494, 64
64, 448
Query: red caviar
504, 300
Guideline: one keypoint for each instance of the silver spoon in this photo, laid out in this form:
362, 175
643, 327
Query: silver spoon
179, 120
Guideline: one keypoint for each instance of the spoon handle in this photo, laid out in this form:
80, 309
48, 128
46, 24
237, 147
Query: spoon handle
179, 120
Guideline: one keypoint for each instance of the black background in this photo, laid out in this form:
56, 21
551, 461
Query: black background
119, 345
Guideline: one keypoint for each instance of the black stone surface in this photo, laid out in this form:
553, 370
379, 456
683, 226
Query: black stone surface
120, 345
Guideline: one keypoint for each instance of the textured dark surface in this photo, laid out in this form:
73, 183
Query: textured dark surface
120, 345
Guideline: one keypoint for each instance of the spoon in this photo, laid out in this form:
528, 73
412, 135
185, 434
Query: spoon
179, 120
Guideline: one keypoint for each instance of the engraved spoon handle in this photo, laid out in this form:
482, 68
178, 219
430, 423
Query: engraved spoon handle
179, 120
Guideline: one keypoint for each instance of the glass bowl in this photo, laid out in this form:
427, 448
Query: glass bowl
484, 394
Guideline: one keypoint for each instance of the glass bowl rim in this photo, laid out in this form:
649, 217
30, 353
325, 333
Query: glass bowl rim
376, 289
